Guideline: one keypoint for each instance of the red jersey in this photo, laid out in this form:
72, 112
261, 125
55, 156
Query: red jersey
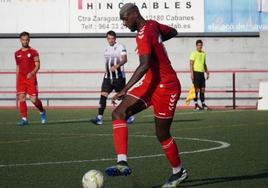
149, 42
25, 60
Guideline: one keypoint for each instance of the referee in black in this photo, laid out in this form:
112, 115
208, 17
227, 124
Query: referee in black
115, 56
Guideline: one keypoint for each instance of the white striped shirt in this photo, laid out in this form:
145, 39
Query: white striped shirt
113, 56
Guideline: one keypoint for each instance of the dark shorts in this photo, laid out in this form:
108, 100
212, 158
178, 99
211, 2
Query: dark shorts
109, 85
199, 80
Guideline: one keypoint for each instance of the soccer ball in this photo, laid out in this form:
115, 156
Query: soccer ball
93, 179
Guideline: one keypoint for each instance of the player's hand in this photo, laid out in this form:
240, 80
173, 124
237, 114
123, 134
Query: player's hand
114, 68
119, 96
192, 78
29, 75
207, 75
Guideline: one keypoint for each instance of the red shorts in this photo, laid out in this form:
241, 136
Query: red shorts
27, 86
163, 97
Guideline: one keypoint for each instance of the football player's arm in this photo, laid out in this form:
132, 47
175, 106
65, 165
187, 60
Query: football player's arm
167, 32
144, 46
17, 71
192, 69
144, 50
140, 71
123, 59
192, 60
17, 67
206, 70
122, 62
137, 75
173, 32
36, 68
37, 65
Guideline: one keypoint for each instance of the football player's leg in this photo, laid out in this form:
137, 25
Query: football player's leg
33, 93
197, 91
162, 127
23, 109
202, 94
106, 89
129, 106
21, 95
38, 104
164, 102
171, 150
202, 88
195, 82
118, 85
102, 105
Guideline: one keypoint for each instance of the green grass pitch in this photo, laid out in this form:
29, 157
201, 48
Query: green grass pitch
58, 154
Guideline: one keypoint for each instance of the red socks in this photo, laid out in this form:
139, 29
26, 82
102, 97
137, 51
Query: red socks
171, 150
23, 109
120, 134
38, 104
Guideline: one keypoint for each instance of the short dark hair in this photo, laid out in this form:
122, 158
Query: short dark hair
199, 42
112, 33
127, 8
24, 33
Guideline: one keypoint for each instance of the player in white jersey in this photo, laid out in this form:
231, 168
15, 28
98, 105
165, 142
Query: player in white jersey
115, 56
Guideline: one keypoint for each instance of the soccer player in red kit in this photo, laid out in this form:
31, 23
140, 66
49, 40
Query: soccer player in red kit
160, 88
28, 64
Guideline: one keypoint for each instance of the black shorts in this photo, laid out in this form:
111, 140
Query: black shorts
109, 85
199, 80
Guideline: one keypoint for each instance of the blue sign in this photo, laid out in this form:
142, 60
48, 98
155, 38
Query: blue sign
236, 15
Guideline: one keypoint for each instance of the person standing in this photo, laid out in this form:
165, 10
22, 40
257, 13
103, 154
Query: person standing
159, 87
198, 69
28, 64
115, 55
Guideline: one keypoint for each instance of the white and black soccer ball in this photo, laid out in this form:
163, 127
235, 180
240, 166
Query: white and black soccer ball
93, 179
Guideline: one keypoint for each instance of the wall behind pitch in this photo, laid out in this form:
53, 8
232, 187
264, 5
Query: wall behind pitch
87, 54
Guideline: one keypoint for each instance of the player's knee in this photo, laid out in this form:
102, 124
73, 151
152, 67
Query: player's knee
118, 114
129, 112
22, 98
104, 94
33, 99
162, 135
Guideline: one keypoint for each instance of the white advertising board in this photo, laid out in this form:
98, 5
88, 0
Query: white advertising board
35, 16
263, 96
95, 16
89, 16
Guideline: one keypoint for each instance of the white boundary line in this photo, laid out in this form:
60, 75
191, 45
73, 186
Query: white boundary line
221, 143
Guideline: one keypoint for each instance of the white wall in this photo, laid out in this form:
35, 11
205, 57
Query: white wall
87, 54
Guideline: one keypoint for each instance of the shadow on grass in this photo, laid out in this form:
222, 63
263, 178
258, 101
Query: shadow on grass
68, 121
217, 180
174, 121
110, 121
